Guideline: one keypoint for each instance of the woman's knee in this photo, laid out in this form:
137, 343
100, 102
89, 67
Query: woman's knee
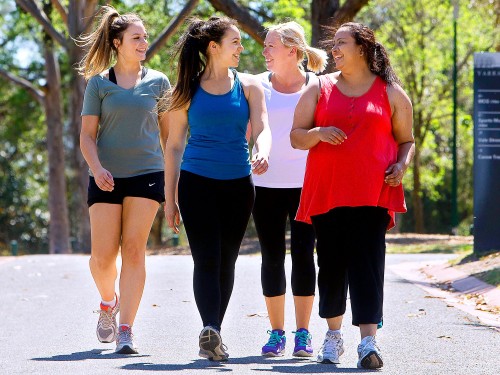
102, 261
133, 254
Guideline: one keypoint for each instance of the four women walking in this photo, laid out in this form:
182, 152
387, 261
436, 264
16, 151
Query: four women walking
356, 124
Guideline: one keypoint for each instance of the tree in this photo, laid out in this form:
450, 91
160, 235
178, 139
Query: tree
418, 36
50, 98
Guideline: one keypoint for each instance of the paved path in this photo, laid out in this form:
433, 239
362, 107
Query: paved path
47, 325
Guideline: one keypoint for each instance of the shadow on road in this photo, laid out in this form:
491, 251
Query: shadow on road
82, 356
286, 366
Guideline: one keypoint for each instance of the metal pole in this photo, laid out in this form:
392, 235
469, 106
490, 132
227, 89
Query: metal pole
454, 205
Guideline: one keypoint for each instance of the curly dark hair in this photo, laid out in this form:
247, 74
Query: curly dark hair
374, 52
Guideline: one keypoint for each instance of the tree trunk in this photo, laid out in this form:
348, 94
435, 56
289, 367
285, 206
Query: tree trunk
79, 19
321, 13
58, 209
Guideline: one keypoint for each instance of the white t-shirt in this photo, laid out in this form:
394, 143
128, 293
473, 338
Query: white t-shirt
286, 164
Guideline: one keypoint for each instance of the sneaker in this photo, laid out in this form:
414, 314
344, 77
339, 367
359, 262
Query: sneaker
275, 347
211, 346
332, 349
369, 354
125, 341
107, 329
303, 346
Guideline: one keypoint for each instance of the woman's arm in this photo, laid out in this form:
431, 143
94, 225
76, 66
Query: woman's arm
304, 135
174, 150
402, 124
88, 136
261, 133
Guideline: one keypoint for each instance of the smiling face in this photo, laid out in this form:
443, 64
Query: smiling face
345, 51
229, 49
134, 43
276, 53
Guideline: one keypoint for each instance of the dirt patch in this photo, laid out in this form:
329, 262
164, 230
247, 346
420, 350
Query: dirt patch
419, 239
250, 245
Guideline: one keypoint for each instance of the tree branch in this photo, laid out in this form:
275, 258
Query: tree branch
348, 11
30, 7
36, 93
248, 23
61, 10
171, 28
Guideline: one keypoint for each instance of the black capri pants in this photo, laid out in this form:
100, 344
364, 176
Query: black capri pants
273, 206
351, 255
215, 215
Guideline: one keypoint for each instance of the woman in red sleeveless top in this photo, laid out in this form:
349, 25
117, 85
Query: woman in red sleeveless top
357, 125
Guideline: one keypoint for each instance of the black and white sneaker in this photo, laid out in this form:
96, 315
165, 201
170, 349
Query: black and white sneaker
369, 354
211, 346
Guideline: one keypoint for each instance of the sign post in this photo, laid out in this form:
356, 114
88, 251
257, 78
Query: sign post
486, 152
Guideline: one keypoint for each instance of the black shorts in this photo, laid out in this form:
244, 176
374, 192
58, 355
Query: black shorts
150, 185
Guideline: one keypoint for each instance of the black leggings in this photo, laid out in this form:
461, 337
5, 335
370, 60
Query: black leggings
271, 210
215, 214
351, 254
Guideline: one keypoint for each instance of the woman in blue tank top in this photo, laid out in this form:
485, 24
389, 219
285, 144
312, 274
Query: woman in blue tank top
212, 173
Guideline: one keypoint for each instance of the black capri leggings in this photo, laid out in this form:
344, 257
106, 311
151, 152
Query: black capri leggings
272, 208
351, 254
215, 214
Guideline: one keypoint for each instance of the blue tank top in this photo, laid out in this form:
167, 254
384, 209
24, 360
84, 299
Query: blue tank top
217, 147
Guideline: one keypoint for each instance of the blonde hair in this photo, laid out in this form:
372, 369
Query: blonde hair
100, 42
293, 35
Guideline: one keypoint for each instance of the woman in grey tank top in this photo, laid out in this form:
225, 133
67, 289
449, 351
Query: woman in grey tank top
121, 140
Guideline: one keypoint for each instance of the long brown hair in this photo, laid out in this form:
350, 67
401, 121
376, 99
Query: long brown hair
193, 58
100, 43
375, 54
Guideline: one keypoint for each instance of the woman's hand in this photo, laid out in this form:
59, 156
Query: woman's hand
332, 135
172, 216
394, 174
260, 163
104, 179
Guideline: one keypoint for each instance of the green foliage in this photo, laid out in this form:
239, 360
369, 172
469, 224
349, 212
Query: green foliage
419, 39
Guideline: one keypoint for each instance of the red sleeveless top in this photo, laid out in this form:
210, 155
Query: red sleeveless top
352, 174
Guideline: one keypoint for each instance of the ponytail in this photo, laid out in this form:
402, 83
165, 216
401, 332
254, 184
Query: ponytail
316, 59
192, 51
100, 42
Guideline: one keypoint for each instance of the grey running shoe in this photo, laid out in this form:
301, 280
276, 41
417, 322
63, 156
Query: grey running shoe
369, 354
125, 341
107, 329
211, 346
332, 349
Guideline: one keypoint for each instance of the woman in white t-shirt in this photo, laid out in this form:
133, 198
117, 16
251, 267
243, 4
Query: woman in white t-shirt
278, 190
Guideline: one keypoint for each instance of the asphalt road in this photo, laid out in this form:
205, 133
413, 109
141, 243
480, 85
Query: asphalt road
47, 325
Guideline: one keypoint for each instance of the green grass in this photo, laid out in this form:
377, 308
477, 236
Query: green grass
437, 248
491, 277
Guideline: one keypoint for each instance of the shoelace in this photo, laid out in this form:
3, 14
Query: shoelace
125, 335
331, 343
106, 318
274, 339
302, 337
371, 341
